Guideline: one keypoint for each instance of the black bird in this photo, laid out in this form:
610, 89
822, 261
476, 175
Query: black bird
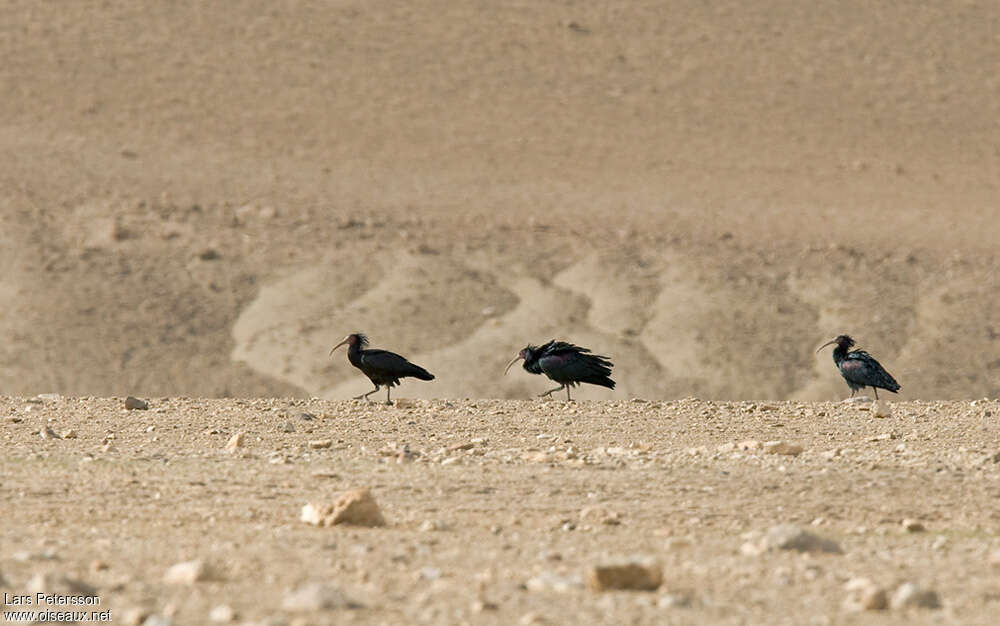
859, 368
380, 366
566, 364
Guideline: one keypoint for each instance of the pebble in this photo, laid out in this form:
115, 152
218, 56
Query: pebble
189, 573
599, 515
782, 447
911, 595
319, 444
317, 597
674, 601
551, 581
913, 526
356, 507
47, 433
69, 434
750, 444
133, 403
641, 574
222, 613
235, 443
432, 525
864, 595
790, 537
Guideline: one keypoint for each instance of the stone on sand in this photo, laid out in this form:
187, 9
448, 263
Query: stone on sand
356, 508
641, 574
189, 573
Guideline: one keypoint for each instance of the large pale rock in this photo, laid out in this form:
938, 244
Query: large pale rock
356, 507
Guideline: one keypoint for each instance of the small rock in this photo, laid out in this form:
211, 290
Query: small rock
133, 403
750, 444
189, 573
307, 416
47, 433
913, 526
406, 403
674, 601
864, 595
235, 443
791, 537
551, 581
288, 427
643, 574
356, 507
98, 565
782, 447
431, 525
598, 515
157, 620
319, 444
910, 595
69, 434
317, 597
209, 254
429, 573
881, 408
222, 613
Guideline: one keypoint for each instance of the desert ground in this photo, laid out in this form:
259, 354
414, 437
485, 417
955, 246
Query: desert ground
198, 200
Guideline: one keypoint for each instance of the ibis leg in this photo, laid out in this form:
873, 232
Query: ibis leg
387, 390
550, 391
364, 396
875, 389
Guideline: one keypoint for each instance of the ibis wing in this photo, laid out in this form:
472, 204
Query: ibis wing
573, 365
384, 364
861, 368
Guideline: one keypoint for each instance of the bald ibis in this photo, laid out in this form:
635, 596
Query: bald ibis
566, 364
380, 366
859, 368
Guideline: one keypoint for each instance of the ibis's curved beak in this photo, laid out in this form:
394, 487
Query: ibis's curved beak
828, 343
512, 361
346, 339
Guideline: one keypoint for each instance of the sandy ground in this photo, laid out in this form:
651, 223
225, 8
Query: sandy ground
200, 199
502, 506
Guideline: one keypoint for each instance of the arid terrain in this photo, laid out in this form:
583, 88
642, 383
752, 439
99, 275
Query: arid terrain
496, 509
197, 200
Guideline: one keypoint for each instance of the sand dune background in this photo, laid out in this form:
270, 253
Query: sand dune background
201, 200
